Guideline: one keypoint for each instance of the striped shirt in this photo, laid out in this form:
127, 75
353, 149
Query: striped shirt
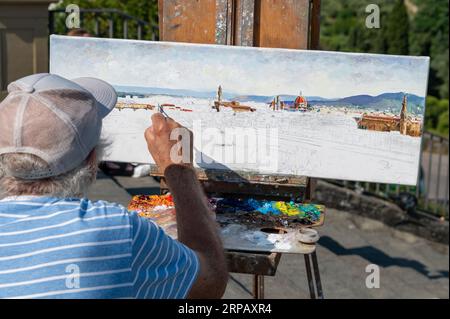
76, 248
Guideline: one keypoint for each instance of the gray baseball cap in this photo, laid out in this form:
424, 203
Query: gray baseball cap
55, 119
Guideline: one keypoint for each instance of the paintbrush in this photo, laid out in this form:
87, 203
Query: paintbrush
161, 110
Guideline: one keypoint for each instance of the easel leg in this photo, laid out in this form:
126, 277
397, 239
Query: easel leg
312, 292
314, 284
317, 275
258, 287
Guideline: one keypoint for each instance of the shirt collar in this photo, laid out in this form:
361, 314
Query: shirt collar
33, 197
19, 197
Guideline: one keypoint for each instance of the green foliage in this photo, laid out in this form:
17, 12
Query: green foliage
443, 123
436, 115
397, 30
429, 36
143, 10
343, 26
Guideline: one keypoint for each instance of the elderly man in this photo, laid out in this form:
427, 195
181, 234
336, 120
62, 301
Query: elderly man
54, 242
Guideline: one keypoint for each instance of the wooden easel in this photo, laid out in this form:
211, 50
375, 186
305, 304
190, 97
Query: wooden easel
290, 24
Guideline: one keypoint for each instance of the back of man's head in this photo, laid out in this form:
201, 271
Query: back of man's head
48, 127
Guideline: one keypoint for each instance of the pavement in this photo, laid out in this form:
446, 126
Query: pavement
409, 266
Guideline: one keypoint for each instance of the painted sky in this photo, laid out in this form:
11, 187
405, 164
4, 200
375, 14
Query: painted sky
243, 71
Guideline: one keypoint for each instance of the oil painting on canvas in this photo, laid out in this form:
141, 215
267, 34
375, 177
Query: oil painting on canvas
321, 114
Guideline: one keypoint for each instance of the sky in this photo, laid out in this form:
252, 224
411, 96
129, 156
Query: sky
241, 71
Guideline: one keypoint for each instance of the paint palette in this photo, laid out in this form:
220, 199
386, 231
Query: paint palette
249, 211
159, 208
269, 213
246, 224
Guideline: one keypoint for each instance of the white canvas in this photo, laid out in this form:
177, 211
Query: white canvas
336, 130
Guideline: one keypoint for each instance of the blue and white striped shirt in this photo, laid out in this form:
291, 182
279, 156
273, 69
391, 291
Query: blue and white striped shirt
76, 248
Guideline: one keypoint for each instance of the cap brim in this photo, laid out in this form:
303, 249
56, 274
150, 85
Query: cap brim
102, 91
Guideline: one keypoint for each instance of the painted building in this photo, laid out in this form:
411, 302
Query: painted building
385, 123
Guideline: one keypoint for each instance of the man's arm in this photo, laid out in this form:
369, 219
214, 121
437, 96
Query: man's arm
196, 226
197, 230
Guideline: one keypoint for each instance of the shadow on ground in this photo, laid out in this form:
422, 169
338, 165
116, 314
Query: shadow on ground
143, 190
378, 257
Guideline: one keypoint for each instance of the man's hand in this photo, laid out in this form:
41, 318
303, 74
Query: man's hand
168, 142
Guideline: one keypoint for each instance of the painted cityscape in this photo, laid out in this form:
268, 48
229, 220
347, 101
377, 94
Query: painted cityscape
348, 116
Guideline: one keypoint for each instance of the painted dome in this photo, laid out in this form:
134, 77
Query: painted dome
300, 99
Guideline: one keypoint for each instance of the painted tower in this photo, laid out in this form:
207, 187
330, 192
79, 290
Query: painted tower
404, 117
219, 94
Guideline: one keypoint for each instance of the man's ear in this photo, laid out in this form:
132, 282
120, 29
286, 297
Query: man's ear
92, 158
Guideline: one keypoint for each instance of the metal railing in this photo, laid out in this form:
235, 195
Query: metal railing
431, 194
110, 23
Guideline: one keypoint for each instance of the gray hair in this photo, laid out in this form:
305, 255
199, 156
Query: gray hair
74, 183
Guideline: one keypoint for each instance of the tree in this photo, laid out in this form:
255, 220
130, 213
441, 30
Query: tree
435, 113
397, 30
441, 66
429, 37
443, 123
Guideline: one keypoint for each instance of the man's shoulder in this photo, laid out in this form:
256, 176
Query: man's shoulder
71, 213
102, 204
103, 208
54, 203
